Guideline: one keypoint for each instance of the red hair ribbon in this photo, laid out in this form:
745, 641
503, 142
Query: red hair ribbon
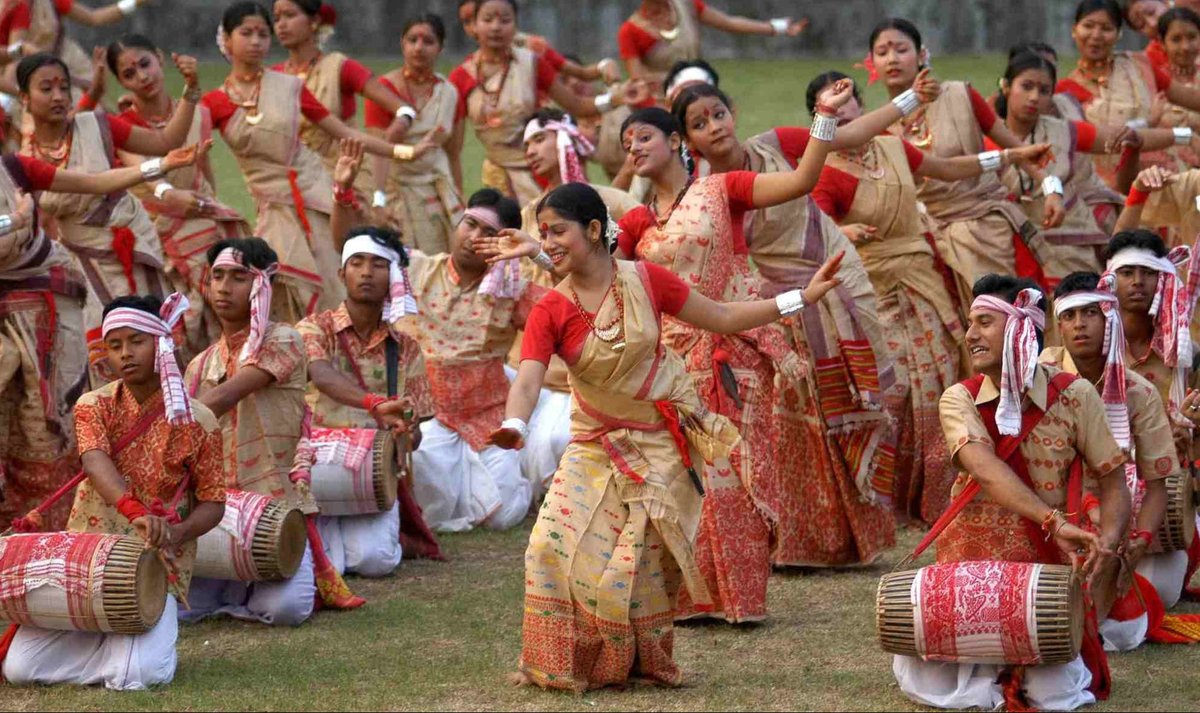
327, 15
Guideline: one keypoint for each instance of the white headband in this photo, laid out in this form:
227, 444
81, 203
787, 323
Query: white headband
1140, 257
689, 75
1075, 300
400, 301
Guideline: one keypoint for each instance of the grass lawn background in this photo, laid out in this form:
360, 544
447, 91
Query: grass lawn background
444, 635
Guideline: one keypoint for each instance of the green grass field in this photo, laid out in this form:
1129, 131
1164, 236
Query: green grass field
443, 636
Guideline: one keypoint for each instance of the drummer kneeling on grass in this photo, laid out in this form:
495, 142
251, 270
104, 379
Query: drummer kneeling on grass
153, 461
353, 386
1019, 514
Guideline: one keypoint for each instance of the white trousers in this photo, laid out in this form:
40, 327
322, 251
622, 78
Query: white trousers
1165, 571
366, 545
120, 661
286, 603
1124, 635
951, 685
549, 434
459, 489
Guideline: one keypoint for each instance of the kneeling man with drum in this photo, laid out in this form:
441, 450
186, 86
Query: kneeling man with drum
153, 461
1021, 433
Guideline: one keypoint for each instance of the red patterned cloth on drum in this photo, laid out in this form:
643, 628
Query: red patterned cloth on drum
957, 607
349, 447
330, 336
156, 464
242, 513
57, 560
465, 336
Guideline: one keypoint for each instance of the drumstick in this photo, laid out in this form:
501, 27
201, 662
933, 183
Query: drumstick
172, 570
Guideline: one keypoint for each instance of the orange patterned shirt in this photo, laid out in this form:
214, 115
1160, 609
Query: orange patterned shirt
1073, 426
155, 465
330, 336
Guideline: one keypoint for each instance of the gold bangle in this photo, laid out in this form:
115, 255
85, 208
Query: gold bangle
403, 152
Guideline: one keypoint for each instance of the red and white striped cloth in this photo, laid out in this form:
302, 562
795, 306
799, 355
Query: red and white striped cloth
502, 280
1024, 319
1116, 411
260, 299
400, 301
66, 568
572, 146
175, 398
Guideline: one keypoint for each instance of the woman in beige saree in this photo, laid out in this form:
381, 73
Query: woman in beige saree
425, 196
184, 206
499, 87
612, 542
291, 187
111, 235
1179, 29
978, 230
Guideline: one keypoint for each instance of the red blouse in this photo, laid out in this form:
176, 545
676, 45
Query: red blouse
18, 17
465, 83
222, 107
634, 42
1085, 137
836, 189
40, 173
353, 79
375, 116
1162, 82
556, 327
738, 184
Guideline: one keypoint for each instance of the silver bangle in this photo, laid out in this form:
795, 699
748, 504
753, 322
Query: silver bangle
152, 170
407, 111
127, 7
604, 102
781, 25
1137, 124
516, 424
6, 224
543, 261
14, 50
379, 199
790, 302
1183, 135
989, 160
823, 128
161, 189
1052, 184
907, 102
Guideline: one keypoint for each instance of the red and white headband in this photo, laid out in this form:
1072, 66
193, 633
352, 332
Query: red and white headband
572, 146
503, 279
178, 407
260, 299
400, 301
1019, 363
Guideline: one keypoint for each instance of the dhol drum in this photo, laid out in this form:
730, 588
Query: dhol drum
1014, 613
259, 540
81, 581
355, 471
1179, 522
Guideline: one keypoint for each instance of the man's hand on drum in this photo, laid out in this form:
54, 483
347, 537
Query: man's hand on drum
155, 530
1083, 548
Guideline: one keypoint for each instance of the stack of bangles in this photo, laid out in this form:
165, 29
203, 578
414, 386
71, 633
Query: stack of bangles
373, 401
1143, 535
1048, 522
1136, 197
345, 197
131, 508
824, 124
6, 224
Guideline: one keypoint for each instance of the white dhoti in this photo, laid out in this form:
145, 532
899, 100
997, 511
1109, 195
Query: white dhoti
119, 661
459, 489
549, 434
1166, 572
366, 545
1124, 635
286, 603
950, 685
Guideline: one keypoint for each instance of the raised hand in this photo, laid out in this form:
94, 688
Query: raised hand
99, 73
824, 280
349, 163
1154, 179
508, 244
189, 68
797, 26
186, 156
928, 88
837, 95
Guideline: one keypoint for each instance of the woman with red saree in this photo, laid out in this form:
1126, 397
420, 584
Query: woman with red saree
613, 540
835, 417
290, 185
978, 230
1115, 88
183, 204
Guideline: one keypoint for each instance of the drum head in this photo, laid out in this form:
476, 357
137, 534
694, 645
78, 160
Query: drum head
293, 536
151, 587
387, 450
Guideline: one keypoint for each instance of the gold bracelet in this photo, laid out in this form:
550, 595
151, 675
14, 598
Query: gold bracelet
403, 152
192, 95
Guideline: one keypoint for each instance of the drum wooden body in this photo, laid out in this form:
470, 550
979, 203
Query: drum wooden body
355, 471
1179, 522
1014, 613
77, 581
259, 540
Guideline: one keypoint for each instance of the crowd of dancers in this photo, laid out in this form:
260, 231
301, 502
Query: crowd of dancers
740, 355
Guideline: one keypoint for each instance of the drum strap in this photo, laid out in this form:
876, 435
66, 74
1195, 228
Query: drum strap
1007, 449
391, 362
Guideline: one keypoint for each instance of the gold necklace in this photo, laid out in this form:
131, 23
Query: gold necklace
250, 105
867, 159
